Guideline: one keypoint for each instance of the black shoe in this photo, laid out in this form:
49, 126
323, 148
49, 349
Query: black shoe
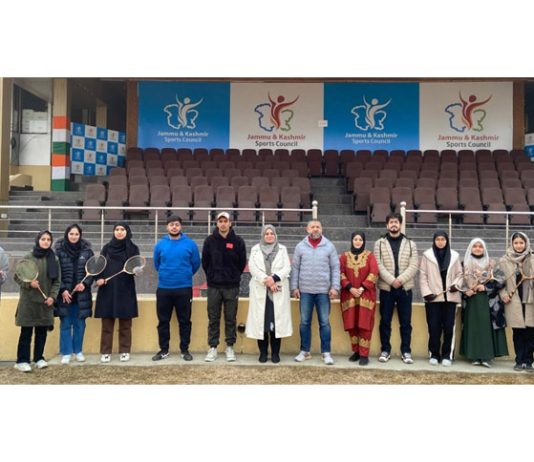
354, 357
275, 358
187, 356
528, 367
518, 367
160, 355
263, 358
364, 361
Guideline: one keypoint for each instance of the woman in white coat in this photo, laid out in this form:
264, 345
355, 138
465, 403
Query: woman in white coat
269, 311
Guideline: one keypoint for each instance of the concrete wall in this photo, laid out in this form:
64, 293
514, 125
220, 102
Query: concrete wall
145, 338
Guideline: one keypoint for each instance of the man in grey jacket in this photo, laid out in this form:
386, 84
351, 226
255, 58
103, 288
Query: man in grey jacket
397, 266
315, 279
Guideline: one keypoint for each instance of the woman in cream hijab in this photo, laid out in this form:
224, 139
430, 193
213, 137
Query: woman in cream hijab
269, 312
517, 296
483, 336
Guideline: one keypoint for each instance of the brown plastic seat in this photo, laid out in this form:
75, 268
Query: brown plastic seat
138, 196
138, 180
466, 154
411, 174
504, 174
265, 154
217, 181
117, 171
511, 183
238, 181
362, 188
314, 159
401, 194
247, 197
430, 173
174, 171
414, 153
206, 164
281, 155
182, 196
217, 154
193, 171
305, 190
380, 154
118, 179
448, 155
496, 219
97, 192
474, 218
271, 173
281, 181
197, 181
427, 218
426, 183
447, 198
178, 181
379, 195
298, 155
290, 199
486, 182
203, 196
301, 167
379, 212
514, 196
467, 194
483, 154
384, 183
232, 172
91, 214
134, 153
244, 164
448, 183
249, 154
345, 157
364, 155
281, 165
469, 182
331, 162
251, 172
211, 172
160, 195
260, 181
115, 214
387, 173
431, 154
168, 154
134, 164
264, 164
153, 163
424, 195
186, 164
171, 164
269, 197
233, 154
491, 196
155, 172
226, 164
225, 197
353, 170
405, 183
184, 154
520, 219
200, 154
158, 180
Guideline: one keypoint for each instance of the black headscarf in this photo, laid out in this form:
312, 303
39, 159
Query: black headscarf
72, 250
52, 270
353, 249
443, 256
121, 247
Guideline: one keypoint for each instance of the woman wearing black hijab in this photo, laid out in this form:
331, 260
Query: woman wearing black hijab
32, 310
74, 303
440, 271
117, 299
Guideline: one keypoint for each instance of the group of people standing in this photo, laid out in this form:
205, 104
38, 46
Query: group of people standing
493, 294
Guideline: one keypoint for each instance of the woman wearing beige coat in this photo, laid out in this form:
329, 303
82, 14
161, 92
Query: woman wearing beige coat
269, 311
440, 270
519, 300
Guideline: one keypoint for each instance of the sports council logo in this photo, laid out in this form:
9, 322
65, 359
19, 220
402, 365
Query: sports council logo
467, 115
182, 114
370, 116
275, 115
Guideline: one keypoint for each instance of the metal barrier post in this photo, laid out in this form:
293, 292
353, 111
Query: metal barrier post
209, 221
101, 227
50, 220
262, 218
507, 227
450, 228
156, 228
403, 215
315, 210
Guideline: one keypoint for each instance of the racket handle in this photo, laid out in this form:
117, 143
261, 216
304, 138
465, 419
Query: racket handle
42, 293
112, 276
86, 276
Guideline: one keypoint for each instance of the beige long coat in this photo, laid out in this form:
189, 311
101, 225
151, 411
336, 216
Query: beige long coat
430, 276
281, 266
513, 311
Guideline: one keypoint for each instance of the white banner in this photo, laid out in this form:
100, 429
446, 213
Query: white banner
276, 115
471, 115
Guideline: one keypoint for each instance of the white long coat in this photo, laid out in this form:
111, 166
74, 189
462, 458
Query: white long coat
281, 266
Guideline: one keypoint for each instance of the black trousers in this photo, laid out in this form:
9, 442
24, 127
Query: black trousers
440, 318
25, 340
216, 299
523, 345
180, 300
263, 345
403, 300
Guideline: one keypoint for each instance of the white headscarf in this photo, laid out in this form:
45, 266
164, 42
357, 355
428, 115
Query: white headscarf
471, 263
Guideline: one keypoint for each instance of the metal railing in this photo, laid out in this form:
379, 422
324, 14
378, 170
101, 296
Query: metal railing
451, 213
314, 210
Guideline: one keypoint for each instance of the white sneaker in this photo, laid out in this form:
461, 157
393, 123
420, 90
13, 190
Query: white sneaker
446, 362
327, 359
41, 364
65, 359
23, 367
105, 358
384, 357
212, 355
303, 356
80, 357
407, 358
433, 361
124, 357
230, 355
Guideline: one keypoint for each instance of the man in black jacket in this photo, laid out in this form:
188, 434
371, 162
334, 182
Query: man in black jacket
224, 257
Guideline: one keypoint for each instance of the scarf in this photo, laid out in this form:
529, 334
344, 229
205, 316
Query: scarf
122, 248
269, 251
521, 261
353, 249
443, 256
52, 270
473, 262
72, 250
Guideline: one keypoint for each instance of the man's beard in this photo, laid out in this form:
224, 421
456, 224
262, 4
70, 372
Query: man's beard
175, 234
315, 236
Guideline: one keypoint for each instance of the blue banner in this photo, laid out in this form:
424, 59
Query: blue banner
371, 116
184, 114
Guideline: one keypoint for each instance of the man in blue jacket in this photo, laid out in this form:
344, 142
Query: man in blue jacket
315, 280
176, 259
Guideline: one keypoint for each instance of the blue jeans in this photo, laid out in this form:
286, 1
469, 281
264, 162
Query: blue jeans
322, 302
71, 333
403, 299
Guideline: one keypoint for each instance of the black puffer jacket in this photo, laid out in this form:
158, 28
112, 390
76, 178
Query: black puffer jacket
72, 272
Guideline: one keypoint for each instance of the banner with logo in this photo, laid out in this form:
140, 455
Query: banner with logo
95, 151
371, 116
471, 115
276, 115
183, 114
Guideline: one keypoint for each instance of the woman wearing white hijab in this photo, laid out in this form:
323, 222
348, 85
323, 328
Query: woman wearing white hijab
483, 336
269, 312
518, 299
